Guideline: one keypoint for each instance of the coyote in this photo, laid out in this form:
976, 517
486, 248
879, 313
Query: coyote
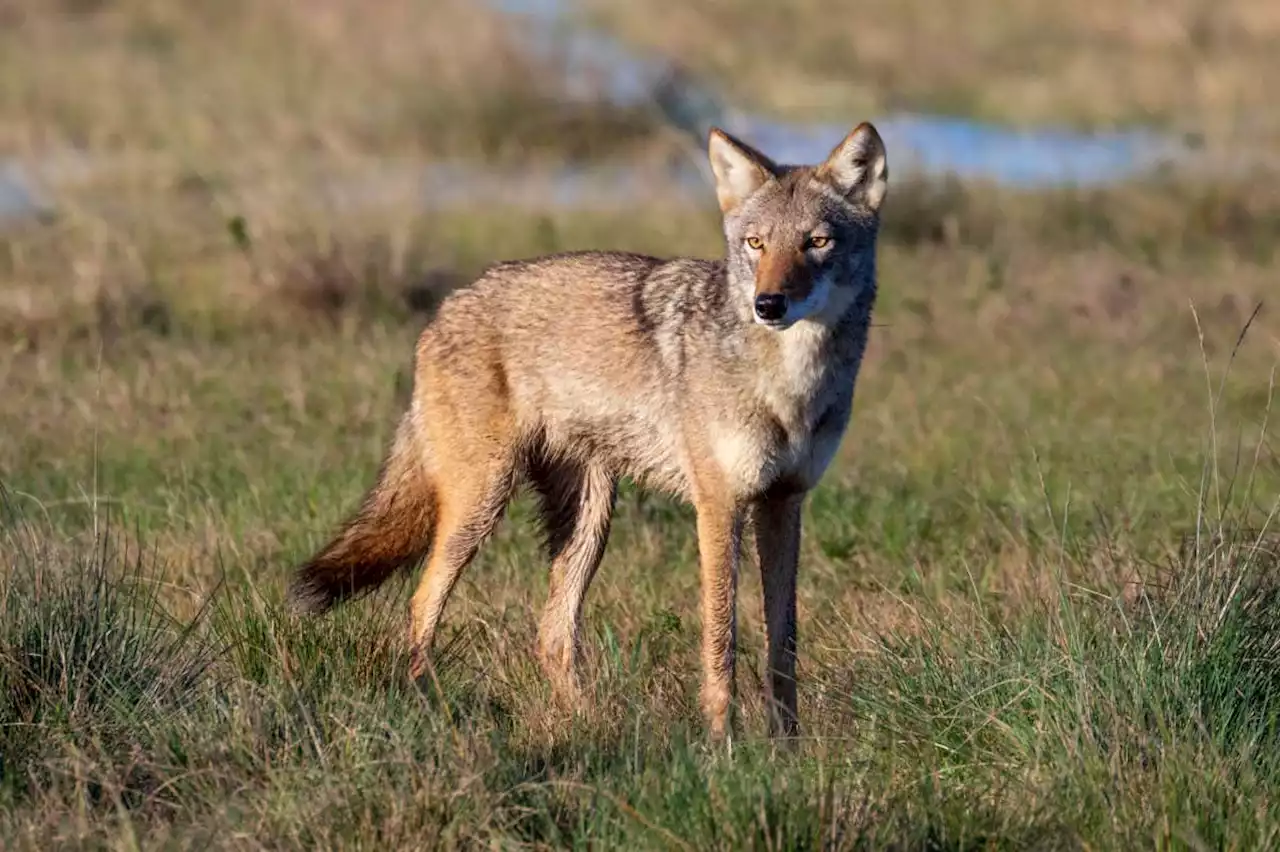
728, 383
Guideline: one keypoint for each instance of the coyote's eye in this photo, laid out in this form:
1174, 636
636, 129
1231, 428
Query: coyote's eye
819, 242
755, 243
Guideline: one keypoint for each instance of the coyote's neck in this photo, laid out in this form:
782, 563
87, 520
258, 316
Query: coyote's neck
793, 373
809, 361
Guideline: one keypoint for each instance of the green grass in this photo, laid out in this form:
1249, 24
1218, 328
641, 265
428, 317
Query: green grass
1149, 721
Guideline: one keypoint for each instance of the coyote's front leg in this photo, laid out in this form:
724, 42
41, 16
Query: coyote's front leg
776, 519
719, 544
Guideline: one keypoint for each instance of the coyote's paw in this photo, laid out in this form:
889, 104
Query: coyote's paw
419, 663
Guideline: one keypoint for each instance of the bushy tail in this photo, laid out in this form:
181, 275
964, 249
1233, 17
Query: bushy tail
392, 530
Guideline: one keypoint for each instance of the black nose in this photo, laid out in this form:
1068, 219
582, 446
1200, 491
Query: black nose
771, 306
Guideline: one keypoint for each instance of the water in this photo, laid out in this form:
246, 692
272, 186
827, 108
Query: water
928, 144
936, 145
18, 198
595, 65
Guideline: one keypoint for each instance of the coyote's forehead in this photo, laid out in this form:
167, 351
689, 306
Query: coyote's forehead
843, 193
796, 204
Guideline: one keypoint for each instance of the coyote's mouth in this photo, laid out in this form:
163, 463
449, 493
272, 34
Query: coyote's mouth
812, 306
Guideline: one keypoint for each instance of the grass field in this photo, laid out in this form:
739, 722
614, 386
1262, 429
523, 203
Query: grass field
1038, 593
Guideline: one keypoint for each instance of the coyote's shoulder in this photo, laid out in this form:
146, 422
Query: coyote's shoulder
728, 382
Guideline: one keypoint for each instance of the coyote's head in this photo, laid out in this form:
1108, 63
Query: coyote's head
801, 239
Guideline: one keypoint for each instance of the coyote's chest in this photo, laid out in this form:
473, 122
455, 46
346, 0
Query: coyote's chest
793, 425
755, 456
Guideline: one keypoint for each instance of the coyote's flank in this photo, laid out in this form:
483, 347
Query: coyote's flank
728, 383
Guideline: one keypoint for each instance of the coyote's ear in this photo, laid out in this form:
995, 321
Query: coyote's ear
739, 169
857, 167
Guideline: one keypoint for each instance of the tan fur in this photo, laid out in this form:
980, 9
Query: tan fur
571, 371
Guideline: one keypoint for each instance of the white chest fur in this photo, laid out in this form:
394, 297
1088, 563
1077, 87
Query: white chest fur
788, 432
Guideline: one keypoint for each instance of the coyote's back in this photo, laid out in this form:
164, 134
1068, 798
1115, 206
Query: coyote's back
728, 383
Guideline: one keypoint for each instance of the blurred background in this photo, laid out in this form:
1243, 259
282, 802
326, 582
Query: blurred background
308, 122
250, 143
